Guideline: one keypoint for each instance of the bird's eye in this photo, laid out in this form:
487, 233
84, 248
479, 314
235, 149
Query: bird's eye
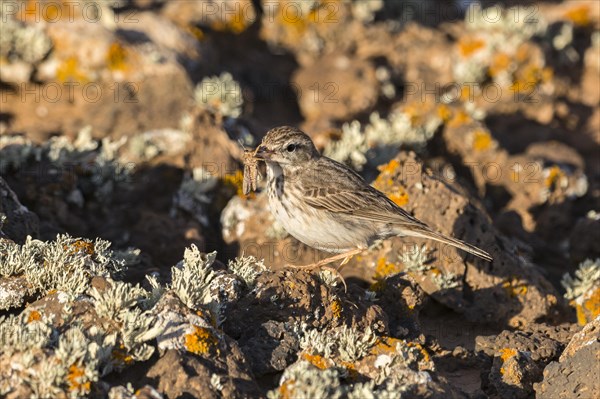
291, 148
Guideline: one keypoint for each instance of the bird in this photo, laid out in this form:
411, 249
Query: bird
330, 207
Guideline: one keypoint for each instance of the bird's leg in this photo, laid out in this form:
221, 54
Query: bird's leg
346, 256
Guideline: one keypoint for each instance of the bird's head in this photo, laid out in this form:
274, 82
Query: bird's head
287, 145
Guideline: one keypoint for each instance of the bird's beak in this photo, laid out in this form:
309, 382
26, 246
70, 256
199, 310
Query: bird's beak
263, 153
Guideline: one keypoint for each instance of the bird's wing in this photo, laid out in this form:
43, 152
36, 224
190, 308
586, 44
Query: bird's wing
348, 193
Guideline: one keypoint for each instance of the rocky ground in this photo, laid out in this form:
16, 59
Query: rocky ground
132, 264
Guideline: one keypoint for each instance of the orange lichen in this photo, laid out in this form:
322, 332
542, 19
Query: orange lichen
460, 118
444, 112
424, 353
286, 391
316, 360
589, 308
80, 246
196, 32
414, 112
467, 46
500, 63
555, 175
201, 341
120, 355
236, 23
75, 377
384, 345
390, 167
528, 77
384, 269
236, 181
336, 308
514, 287
116, 58
507, 353
34, 315
68, 71
579, 15
482, 140
399, 197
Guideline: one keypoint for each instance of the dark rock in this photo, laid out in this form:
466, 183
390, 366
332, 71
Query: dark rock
575, 375
20, 222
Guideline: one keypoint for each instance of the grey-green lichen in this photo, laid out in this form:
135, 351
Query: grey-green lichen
303, 380
191, 279
586, 277
248, 268
22, 42
220, 94
347, 343
65, 264
90, 160
380, 139
196, 194
416, 259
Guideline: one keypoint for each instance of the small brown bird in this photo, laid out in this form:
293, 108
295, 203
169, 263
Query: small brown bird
328, 206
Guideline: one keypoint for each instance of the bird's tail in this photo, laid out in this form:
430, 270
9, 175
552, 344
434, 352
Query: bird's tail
430, 234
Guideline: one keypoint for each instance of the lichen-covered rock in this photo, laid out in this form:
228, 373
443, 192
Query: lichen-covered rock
269, 321
583, 290
509, 289
196, 358
16, 221
575, 375
514, 373
329, 88
541, 347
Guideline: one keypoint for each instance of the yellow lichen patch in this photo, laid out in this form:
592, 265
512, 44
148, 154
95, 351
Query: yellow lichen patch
236, 180
69, 71
467, 46
201, 341
390, 167
444, 112
34, 315
80, 246
514, 287
554, 177
500, 63
424, 353
336, 308
116, 58
351, 369
459, 119
285, 390
530, 76
384, 269
579, 15
414, 112
482, 140
120, 355
507, 353
196, 32
589, 308
76, 380
385, 345
400, 197
236, 23
316, 360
